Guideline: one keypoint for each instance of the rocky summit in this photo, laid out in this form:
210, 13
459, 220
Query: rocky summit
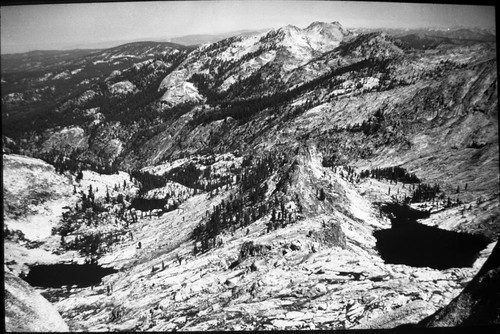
296, 178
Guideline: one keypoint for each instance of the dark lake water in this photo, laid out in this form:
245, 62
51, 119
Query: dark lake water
411, 243
57, 275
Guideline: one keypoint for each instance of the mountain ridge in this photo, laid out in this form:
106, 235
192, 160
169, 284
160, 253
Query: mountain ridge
245, 184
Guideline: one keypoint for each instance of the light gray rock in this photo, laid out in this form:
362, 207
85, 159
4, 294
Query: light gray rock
286, 324
479, 302
410, 313
27, 311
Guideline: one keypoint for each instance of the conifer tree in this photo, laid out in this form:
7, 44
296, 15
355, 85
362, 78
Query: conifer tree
322, 194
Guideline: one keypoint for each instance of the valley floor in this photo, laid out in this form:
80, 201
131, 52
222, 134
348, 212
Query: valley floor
300, 281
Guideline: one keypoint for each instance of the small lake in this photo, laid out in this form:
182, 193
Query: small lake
411, 243
57, 275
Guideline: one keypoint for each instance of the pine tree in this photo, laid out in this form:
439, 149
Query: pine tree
322, 194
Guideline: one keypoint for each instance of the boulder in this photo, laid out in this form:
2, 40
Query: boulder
295, 245
27, 311
286, 324
183, 294
410, 313
330, 235
354, 311
428, 275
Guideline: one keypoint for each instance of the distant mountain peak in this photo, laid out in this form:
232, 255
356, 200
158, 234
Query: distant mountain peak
316, 23
289, 27
334, 29
324, 24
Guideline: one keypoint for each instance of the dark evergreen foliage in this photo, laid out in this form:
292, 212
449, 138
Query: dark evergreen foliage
148, 181
241, 210
424, 193
321, 195
394, 173
187, 175
145, 204
244, 109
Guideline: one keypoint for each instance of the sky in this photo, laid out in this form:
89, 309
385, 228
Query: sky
80, 25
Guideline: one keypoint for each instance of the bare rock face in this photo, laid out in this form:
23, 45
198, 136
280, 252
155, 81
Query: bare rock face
281, 122
331, 235
34, 195
30, 182
409, 313
66, 140
27, 311
478, 304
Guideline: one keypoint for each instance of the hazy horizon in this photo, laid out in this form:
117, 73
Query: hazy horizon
27, 28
